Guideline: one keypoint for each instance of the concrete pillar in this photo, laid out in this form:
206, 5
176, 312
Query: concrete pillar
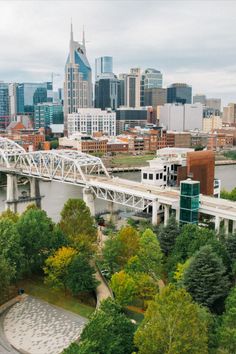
35, 191
166, 214
155, 207
12, 193
217, 223
234, 226
177, 214
88, 198
226, 226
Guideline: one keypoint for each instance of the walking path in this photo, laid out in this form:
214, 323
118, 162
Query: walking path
33, 326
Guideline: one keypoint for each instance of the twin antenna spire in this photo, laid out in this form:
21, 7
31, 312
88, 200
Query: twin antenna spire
71, 34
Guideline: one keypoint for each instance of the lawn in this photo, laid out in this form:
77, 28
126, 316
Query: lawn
130, 160
56, 297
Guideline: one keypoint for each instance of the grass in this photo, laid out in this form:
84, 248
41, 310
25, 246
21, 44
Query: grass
130, 160
135, 314
56, 297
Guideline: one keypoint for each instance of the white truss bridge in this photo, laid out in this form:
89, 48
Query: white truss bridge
89, 172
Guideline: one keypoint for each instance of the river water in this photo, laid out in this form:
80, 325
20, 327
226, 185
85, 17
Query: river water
56, 193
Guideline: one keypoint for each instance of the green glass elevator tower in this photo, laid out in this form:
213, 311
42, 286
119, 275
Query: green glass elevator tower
189, 201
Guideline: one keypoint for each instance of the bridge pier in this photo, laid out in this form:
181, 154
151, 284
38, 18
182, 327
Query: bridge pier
35, 191
155, 208
12, 193
177, 214
217, 223
226, 226
166, 214
234, 226
88, 198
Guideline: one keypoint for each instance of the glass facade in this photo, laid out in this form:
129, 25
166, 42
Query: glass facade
106, 93
189, 201
179, 93
4, 105
47, 114
103, 65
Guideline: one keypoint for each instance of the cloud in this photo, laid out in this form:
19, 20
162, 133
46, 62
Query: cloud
190, 41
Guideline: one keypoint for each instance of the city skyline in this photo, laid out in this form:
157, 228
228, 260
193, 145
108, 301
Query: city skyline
199, 53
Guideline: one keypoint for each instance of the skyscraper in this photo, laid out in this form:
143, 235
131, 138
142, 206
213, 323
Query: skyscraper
78, 79
4, 105
103, 65
131, 84
179, 93
106, 91
150, 79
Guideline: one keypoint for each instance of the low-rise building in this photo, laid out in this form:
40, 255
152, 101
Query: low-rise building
212, 123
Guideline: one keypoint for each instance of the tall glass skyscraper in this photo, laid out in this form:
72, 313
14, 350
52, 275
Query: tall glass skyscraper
4, 105
103, 65
179, 93
78, 79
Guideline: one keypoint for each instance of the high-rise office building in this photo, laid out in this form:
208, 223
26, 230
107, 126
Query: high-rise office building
155, 97
103, 65
106, 91
179, 93
131, 84
199, 98
229, 113
16, 100
4, 105
46, 114
150, 79
214, 103
78, 79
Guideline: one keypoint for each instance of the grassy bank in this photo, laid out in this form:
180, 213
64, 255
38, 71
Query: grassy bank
130, 160
56, 297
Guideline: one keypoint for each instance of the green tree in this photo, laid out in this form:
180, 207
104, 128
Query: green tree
124, 287
10, 247
146, 288
38, 237
149, 255
205, 279
76, 220
57, 267
81, 275
227, 331
7, 274
111, 254
10, 215
173, 324
109, 331
167, 235
129, 239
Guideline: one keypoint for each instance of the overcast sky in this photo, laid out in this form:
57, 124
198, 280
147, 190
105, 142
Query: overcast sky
189, 41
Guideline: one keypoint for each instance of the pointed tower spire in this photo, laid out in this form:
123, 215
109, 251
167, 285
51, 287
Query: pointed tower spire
72, 55
83, 41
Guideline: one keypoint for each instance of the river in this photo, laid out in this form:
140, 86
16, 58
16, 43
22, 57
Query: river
56, 193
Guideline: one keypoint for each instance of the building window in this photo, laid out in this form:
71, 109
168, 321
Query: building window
164, 168
151, 176
164, 177
161, 175
157, 176
145, 176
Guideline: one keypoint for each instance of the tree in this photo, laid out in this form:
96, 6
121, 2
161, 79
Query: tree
149, 255
129, 239
146, 288
167, 235
227, 331
38, 237
173, 324
109, 331
124, 288
205, 279
57, 267
10, 247
7, 274
10, 215
81, 275
76, 219
111, 252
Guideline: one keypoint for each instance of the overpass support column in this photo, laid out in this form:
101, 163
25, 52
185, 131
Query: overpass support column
35, 191
177, 214
88, 198
226, 226
217, 223
12, 193
166, 214
155, 207
234, 226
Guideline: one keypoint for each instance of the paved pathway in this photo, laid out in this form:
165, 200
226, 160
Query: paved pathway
36, 327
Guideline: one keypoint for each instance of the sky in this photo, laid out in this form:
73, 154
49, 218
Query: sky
188, 41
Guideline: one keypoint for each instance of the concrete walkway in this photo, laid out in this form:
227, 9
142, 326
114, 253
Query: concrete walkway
36, 327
